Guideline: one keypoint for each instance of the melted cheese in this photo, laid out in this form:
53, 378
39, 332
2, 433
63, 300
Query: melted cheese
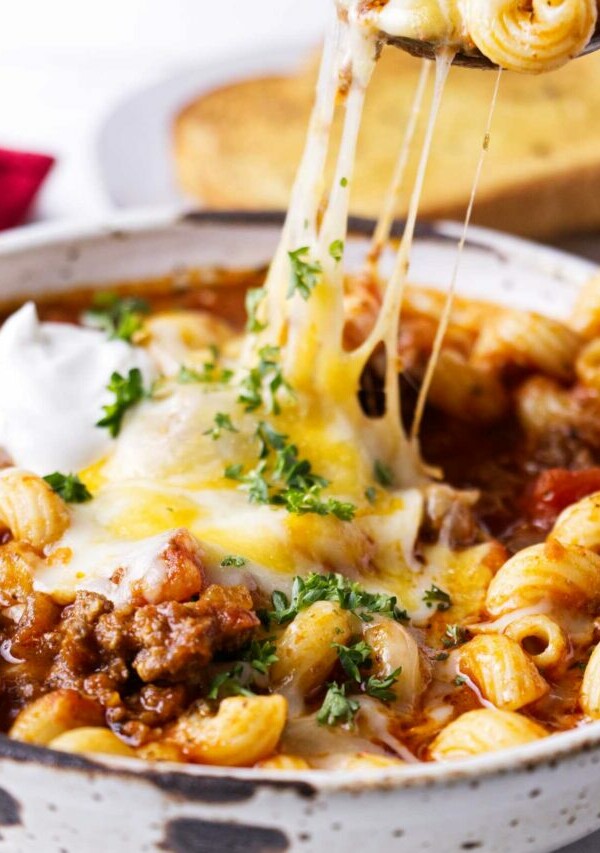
165, 472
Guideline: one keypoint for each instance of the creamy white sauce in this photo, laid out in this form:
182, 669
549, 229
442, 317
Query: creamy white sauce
53, 378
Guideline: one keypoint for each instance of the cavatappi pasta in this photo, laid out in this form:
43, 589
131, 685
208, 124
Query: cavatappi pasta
525, 37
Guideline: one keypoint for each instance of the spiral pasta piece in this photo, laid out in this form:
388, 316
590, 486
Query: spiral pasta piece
484, 730
30, 509
505, 675
550, 572
531, 37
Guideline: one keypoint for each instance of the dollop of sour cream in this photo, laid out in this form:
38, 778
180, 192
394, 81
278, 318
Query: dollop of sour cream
53, 379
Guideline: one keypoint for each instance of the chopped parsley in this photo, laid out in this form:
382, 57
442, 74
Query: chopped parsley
336, 250
281, 478
304, 275
441, 656
459, 681
344, 182
303, 502
233, 560
455, 635
261, 655
69, 487
254, 297
264, 383
383, 473
337, 707
437, 596
234, 472
381, 688
221, 422
120, 317
128, 391
352, 657
337, 588
371, 494
229, 683
210, 372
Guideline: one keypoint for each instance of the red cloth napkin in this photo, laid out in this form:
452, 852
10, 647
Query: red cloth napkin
21, 175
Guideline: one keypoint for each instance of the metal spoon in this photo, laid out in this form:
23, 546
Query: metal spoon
426, 50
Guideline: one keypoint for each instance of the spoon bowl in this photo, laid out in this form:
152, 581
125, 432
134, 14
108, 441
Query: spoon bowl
474, 59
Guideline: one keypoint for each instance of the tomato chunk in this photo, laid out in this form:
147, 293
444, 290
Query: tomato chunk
557, 488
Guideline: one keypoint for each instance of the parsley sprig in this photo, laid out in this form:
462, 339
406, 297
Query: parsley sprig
222, 422
381, 688
120, 317
349, 594
305, 275
436, 596
128, 391
261, 655
353, 657
337, 708
265, 383
254, 298
69, 487
455, 635
282, 478
233, 560
231, 682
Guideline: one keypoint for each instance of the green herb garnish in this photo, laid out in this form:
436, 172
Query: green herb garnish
337, 707
264, 383
337, 588
120, 317
254, 297
437, 596
69, 487
128, 391
455, 635
381, 688
352, 657
229, 683
221, 422
371, 494
336, 250
459, 681
210, 373
261, 655
233, 560
305, 275
383, 473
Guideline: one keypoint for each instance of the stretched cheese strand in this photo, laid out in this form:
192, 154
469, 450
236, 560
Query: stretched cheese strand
316, 325
445, 318
386, 218
395, 450
300, 226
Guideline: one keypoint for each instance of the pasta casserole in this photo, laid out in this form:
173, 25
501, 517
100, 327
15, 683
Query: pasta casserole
307, 519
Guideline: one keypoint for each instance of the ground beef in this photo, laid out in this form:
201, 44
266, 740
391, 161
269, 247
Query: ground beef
143, 664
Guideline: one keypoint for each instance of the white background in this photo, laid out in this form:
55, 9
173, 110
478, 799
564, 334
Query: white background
65, 63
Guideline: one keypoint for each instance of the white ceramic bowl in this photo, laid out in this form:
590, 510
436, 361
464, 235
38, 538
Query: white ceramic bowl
534, 798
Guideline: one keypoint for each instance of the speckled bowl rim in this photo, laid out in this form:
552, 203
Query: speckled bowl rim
548, 752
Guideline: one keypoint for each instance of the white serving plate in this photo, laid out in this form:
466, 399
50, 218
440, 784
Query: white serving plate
534, 798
